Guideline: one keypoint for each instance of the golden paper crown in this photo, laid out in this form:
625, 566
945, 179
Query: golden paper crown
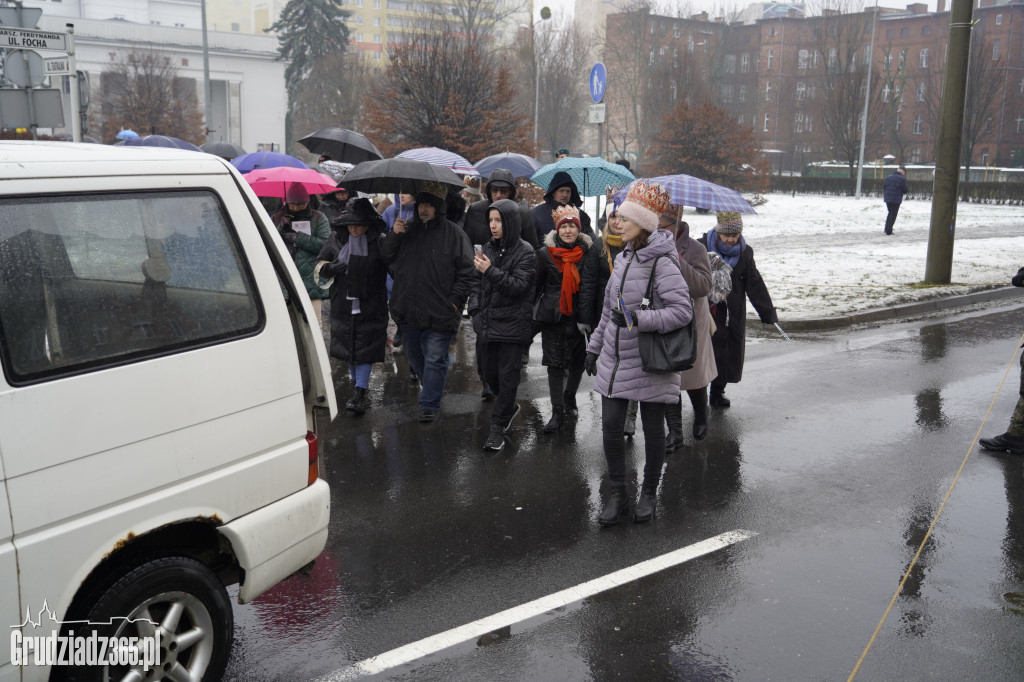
651, 196
567, 212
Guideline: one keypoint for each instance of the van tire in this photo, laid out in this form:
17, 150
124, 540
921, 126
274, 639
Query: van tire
154, 587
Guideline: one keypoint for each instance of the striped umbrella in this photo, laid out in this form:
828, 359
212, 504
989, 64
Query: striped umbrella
686, 190
592, 174
440, 157
258, 160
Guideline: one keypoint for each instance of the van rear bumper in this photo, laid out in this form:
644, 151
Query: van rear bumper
275, 541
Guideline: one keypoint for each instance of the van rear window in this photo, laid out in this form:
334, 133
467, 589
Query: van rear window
88, 281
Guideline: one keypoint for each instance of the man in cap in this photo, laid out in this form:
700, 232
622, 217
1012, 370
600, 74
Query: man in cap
562, 191
562, 153
432, 263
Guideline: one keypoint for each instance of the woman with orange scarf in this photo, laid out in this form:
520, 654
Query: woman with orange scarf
560, 266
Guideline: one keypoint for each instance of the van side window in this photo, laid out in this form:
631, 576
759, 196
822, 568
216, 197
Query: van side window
88, 281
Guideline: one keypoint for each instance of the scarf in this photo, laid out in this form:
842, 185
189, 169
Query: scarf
730, 254
353, 256
565, 260
613, 240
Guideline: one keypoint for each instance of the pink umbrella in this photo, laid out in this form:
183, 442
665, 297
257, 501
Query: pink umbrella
274, 182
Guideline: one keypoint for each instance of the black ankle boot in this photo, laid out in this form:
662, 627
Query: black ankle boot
615, 508
718, 398
645, 506
360, 401
557, 417
571, 411
699, 400
674, 419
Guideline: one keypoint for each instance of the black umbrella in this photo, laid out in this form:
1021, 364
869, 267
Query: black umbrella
224, 150
341, 145
397, 176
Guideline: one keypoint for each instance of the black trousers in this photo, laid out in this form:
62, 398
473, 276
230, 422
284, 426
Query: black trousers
501, 366
890, 219
613, 416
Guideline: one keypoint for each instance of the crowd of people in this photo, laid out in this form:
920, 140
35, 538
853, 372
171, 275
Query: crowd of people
523, 272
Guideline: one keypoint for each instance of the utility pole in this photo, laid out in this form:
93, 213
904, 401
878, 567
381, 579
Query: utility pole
867, 98
946, 189
207, 99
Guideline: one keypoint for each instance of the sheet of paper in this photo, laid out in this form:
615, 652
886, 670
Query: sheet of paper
302, 226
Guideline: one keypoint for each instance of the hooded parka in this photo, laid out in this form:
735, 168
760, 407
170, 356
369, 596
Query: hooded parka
696, 269
501, 303
620, 371
476, 217
360, 338
542, 218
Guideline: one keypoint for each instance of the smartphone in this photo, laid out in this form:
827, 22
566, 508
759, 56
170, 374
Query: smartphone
478, 249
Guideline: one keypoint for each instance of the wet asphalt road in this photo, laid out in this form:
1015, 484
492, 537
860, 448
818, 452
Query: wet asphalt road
838, 452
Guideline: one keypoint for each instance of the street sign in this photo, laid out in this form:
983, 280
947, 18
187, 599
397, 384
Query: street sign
57, 66
15, 112
597, 82
23, 68
595, 113
26, 38
25, 17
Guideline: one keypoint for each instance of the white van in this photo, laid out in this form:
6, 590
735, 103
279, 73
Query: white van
162, 380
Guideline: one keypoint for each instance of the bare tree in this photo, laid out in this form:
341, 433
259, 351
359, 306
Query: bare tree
477, 20
983, 89
894, 83
563, 60
143, 90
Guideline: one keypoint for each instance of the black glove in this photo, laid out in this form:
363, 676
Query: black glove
590, 364
619, 318
1018, 279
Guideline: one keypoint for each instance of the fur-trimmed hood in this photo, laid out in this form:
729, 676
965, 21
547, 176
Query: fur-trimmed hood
549, 240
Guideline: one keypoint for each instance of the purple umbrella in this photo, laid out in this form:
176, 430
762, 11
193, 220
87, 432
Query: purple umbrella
440, 157
258, 160
161, 141
686, 190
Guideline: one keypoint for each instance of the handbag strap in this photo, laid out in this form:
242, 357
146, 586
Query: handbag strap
649, 296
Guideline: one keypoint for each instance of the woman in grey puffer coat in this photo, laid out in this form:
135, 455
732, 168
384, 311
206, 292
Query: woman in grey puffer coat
614, 351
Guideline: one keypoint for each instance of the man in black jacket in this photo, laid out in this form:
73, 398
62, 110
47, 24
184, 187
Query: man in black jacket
502, 310
431, 260
501, 185
893, 189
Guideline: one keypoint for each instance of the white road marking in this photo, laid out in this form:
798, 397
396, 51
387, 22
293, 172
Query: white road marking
435, 643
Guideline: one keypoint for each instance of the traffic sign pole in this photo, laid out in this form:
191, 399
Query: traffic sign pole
76, 119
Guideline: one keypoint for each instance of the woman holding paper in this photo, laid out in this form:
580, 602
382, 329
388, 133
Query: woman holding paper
304, 232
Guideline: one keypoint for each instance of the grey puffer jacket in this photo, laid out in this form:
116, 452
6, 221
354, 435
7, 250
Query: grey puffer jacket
620, 373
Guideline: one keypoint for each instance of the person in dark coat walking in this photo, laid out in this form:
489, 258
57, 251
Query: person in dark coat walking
560, 267
502, 312
432, 264
359, 295
501, 185
333, 205
893, 189
562, 191
730, 338
1012, 440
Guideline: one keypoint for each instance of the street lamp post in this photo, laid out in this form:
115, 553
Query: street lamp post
867, 97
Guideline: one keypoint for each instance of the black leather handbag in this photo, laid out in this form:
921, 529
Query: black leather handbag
544, 312
672, 351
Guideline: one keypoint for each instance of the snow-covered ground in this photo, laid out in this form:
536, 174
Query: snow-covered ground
823, 256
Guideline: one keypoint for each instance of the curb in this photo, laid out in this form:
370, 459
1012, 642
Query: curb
907, 310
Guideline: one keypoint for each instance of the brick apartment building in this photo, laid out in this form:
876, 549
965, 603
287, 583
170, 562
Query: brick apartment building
800, 82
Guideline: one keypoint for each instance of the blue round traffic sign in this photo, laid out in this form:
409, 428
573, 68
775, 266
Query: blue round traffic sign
598, 77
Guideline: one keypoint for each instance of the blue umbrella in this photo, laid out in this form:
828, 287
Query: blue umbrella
521, 165
160, 141
126, 134
686, 190
592, 174
258, 160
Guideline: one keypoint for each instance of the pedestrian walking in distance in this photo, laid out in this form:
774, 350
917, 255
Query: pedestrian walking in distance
614, 348
1012, 440
359, 295
893, 189
501, 310
730, 316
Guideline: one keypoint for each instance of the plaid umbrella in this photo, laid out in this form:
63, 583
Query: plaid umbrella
591, 174
686, 190
440, 157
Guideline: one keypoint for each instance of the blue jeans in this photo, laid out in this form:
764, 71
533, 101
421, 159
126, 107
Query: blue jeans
427, 351
360, 374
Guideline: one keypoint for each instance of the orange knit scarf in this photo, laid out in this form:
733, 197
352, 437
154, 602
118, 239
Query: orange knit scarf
565, 260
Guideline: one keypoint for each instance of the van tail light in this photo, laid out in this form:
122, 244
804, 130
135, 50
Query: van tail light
314, 457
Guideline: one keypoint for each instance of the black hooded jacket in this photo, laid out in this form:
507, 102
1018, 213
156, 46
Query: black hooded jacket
501, 303
542, 219
476, 218
432, 265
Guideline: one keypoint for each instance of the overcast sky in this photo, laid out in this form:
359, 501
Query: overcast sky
561, 8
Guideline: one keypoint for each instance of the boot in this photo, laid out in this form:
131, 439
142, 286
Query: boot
359, 402
571, 411
718, 398
616, 507
629, 428
557, 417
645, 506
1004, 442
674, 418
496, 438
699, 400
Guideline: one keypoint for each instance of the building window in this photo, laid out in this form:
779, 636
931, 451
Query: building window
915, 155
883, 124
772, 35
771, 57
675, 58
923, 59
689, 43
904, 32
995, 50
798, 123
359, 3
887, 62
675, 31
155, 23
890, 34
376, 21
730, 63
1020, 124
179, 25
921, 91
917, 125
801, 59
833, 59
376, 37
235, 27
926, 30
184, 62
899, 124
903, 60
661, 55
988, 125
743, 93
768, 91
726, 94
359, 20
999, 20
767, 119
984, 158
886, 92
359, 37
801, 90
672, 87
745, 62
809, 123
741, 120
